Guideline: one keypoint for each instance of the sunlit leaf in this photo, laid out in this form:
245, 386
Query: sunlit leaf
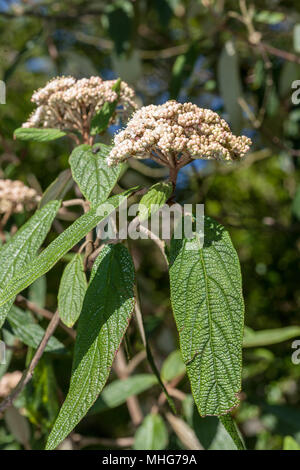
38, 135
206, 295
106, 311
154, 199
91, 172
72, 290
60, 246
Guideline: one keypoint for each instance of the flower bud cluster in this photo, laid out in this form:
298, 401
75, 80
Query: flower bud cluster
174, 130
16, 197
69, 104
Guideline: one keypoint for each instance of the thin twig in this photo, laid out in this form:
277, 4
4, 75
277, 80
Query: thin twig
133, 406
27, 374
73, 202
150, 358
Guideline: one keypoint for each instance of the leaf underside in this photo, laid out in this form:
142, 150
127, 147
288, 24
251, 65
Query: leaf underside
206, 295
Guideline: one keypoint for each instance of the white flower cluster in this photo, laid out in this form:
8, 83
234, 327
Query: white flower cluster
175, 130
15, 196
69, 104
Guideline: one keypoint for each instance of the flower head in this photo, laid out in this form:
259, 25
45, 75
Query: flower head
16, 197
69, 104
178, 132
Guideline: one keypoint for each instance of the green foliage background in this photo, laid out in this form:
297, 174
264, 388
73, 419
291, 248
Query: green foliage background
176, 49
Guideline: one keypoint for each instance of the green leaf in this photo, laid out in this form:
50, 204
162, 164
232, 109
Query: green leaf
211, 432
289, 443
100, 120
37, 292
91, 172
206, 295
269, 17
60, 246
22, 248
230, 85
233, 431
117, 392
40, 395
172, 367
29, 332
106, 312
38, 135
152, 434
58, 188
72, 290
265, 337
154, 199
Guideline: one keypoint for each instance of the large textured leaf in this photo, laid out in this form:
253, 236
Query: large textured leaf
90, 171
72, 290
106, 311
152, 434
116, 393
59, 247
30, 333
22, 248
206, 295
154, 199
38, 135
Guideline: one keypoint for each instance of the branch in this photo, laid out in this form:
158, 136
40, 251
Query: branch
133, 405
27, 374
